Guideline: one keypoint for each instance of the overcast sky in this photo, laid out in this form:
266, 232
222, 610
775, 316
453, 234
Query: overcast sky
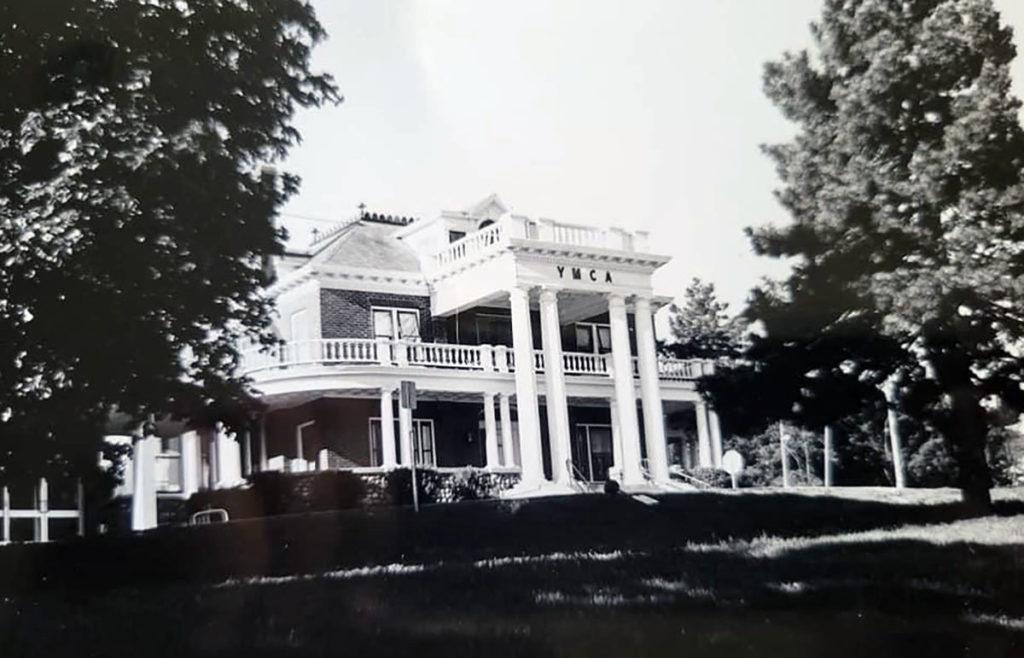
638, 113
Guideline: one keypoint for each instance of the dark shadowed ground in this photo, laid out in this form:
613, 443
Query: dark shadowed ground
758, 574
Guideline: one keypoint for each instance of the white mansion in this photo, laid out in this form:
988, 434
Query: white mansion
530, 341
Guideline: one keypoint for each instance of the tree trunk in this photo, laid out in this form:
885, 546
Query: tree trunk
828, 456
890, 388
785, 456
966, 437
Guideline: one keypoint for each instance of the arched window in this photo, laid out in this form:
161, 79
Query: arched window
484, 224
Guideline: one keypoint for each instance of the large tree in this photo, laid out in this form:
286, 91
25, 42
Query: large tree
137, 206
904, 183
702, 326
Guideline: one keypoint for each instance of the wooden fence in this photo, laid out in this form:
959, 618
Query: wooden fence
40, 513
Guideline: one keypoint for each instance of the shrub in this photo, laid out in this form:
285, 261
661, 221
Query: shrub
715, 477
395, 487
273, 493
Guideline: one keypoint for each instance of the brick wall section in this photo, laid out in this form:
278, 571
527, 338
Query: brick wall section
346, 313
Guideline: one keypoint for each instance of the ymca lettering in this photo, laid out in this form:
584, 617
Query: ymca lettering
580, 274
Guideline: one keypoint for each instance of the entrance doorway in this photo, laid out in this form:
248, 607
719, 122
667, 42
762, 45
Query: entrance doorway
592, 451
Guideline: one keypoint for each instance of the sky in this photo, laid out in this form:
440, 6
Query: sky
644, 114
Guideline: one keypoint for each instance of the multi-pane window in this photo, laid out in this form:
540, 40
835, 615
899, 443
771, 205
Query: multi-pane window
394, 323
593, 337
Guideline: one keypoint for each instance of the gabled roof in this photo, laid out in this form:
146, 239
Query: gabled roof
490, 207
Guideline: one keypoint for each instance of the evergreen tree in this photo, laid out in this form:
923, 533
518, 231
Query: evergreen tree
905, 188
702, 327
137, 207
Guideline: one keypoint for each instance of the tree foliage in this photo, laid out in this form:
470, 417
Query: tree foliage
702, 327
905, 188
136, 205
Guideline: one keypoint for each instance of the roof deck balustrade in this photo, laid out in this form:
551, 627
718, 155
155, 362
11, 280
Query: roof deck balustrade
480, 244
444, 356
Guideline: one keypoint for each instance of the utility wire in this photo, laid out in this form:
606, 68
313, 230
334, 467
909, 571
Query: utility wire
311, 218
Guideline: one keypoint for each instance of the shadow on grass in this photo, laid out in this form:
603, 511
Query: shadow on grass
871, 598
317, 542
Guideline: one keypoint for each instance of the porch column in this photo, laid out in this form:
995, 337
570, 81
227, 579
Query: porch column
404, 439
625, 393
388, 456
144, 449
526, 390
490, 432
704, 458
191, 463
554, 376
716, 438
213, 459
650, 387
263, 443
505, 419
616, 439
229, 458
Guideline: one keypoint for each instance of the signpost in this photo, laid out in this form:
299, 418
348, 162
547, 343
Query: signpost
732, 462
407, 400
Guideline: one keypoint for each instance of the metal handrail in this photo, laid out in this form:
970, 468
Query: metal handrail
577, 476
679, 473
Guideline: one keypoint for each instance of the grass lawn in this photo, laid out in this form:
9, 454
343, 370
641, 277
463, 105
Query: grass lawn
762, 573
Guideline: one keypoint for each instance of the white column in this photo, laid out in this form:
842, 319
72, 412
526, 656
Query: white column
554, 376
650, 387
388, 457
625, 393
246, 451
214, 459
263, 443
404, 438
716, 438
144, 450
490, 432
229, 459
704, 450
526, 391
191, 465
616, 439
505, 419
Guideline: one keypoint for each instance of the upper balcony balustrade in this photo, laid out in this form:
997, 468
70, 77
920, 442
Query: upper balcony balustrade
327, 352
493, 238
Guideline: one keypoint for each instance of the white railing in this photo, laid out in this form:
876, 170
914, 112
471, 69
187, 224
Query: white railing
487, 358
684, 368
465, 248
442, 355
578, 235
584, 363
482, 242
349, 350
40, 513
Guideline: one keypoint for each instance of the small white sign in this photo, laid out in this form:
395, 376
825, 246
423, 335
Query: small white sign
732, 462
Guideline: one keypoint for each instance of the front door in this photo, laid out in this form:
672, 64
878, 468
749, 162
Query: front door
593, 451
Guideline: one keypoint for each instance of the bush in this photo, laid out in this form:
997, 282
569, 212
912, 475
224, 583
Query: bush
273, 493
395, 487
715, 477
